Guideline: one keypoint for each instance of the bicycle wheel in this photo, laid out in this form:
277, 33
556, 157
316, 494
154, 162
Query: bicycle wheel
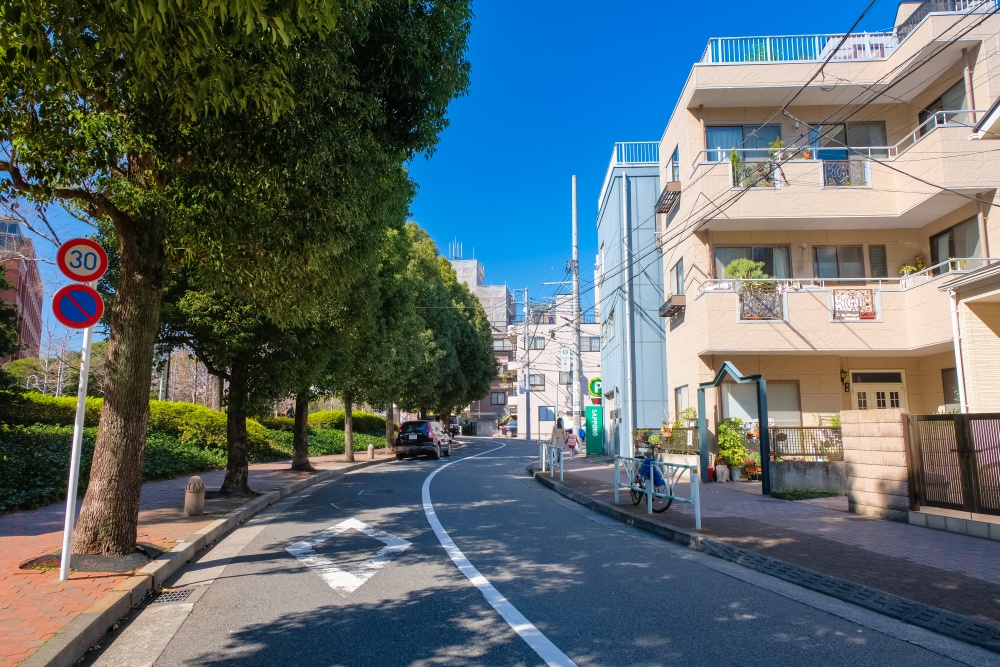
636, 495
661, 504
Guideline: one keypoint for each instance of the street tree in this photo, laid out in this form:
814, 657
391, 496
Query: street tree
183, 128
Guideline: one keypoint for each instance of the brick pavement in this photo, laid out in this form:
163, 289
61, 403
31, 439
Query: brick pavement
955, 572
35, 605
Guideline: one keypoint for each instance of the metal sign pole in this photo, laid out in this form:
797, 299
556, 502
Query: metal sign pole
74, 462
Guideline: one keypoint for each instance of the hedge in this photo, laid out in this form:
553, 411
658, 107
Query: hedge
34, 408
364, 422
277, 423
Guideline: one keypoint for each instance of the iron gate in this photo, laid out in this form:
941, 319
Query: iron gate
954, 461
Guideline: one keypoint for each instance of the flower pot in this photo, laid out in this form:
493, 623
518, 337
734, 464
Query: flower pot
734, 473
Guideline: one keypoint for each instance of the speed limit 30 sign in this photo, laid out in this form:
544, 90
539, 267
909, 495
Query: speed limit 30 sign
82, 260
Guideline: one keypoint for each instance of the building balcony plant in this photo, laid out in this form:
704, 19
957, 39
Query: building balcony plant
760, 298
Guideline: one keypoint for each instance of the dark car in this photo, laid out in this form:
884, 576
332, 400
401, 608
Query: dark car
422, 437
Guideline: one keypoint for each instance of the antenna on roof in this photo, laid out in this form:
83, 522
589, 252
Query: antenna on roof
455, 249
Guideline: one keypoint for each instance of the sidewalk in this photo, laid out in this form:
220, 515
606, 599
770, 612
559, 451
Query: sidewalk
35, 605
946, 570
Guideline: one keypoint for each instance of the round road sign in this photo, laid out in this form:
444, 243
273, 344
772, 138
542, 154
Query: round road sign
78, 306
594, 387
82, 260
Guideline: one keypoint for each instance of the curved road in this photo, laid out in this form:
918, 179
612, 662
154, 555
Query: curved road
528, 578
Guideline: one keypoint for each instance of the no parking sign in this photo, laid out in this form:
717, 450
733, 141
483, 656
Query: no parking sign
78, 306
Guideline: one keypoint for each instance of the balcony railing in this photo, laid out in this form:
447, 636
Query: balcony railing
814, 443
854, 304
754, 175
815, 48
766, 304
847, 173
630, 154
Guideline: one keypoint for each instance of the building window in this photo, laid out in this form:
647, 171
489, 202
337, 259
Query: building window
546, 413
949, 382
609, 326
497, 398
537, 343
833, 141
952, 100
593, 344
876, 261
751, 142
838, 262
776, 259
502, 345
677, 278
565, 377
960, 241
680, 399
675, 165
536, 381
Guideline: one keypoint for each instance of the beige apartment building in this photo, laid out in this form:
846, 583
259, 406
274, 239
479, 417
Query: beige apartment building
836, 181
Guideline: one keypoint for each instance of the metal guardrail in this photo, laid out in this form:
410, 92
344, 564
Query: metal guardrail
671, 474
551, 456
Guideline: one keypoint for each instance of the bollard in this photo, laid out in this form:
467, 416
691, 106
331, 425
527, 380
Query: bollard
371, 452
194, 497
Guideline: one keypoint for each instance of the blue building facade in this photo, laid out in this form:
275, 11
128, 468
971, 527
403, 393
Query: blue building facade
629, 279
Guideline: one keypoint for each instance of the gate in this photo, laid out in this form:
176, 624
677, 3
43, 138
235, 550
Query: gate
954, 461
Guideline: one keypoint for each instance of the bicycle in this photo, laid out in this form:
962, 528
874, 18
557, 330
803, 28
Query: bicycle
660, 503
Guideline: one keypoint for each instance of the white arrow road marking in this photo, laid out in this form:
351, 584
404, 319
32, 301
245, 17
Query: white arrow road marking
340, 580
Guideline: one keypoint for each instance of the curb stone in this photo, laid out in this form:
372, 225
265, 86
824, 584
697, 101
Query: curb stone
941, 621
71, 643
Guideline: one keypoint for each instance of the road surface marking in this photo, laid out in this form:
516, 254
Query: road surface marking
340, 580
538, 642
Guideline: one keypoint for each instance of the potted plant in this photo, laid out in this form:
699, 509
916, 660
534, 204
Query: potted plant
868, 315
751, 466
730, 436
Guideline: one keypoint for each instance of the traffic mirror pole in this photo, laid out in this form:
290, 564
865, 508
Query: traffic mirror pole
74, 461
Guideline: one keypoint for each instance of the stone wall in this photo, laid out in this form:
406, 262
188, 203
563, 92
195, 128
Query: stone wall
824, 475
875, 459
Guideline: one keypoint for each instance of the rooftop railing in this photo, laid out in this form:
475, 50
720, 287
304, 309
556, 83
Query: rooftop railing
817, 48
630, 154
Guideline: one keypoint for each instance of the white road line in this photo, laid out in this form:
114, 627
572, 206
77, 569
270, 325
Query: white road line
538, 642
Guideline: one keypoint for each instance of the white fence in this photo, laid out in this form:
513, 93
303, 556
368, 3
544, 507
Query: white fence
550, 457
671, 472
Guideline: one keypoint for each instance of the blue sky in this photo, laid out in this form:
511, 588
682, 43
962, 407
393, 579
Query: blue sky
554, 84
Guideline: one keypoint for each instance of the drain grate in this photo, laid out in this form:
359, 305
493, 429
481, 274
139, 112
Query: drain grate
375, 492
172, 596
348, 506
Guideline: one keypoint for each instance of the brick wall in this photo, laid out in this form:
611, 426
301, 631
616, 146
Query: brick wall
875, 458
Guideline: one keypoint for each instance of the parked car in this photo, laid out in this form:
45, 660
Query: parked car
422, 437
512, 428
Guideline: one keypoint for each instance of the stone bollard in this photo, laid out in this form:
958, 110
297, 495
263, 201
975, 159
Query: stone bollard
194, 497
371, 452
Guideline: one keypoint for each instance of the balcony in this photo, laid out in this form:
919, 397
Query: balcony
874, 315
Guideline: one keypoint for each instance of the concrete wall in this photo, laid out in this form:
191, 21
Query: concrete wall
875, 459
826, 475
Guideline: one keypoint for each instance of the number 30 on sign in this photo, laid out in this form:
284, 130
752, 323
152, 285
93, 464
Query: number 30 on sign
82, 260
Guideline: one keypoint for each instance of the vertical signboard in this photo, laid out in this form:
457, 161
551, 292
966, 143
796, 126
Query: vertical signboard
595, 429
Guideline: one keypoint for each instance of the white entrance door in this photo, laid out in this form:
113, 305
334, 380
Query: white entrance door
878, 390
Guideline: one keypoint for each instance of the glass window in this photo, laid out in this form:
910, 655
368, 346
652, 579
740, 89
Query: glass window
502, 345
677, 277
565, 377
953, 99
536, 381
593, 344
537, 343
960, 241
497, 398
838, 262
609, 326
877, 262
776, 259
949, 383
751, 142
877, 377
833, 140
546, 413
675, 165
680, 399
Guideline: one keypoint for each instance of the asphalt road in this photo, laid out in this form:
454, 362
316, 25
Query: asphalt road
578, 587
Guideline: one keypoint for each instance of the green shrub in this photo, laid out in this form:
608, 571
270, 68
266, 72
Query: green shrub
277, 423
730, 436
34, 462
364, 422
793, 493
172, 417
34, 408
323, 441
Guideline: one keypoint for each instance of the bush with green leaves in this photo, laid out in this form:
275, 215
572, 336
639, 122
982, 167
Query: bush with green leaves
325, 441
364, 422
34, 408
277, 423
731, 438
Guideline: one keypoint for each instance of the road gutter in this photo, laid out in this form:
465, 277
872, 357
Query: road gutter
71, 643
941, 621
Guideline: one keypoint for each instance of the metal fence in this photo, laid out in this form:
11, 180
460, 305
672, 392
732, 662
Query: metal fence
816, 443
628, 476
679, 441
551, 456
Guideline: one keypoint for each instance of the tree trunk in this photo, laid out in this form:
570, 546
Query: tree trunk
238, 460
300, 443
109, 518
390, 427
348, 427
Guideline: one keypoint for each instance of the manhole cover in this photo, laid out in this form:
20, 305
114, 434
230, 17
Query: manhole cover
348, 506
172, 596
375, 492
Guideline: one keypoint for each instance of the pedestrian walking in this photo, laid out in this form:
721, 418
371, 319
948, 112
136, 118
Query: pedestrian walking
582, 434
289, 412
571, 442
559, 434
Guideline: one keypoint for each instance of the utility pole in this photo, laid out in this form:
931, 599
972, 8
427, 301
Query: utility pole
629, 403
527, 369
577, 317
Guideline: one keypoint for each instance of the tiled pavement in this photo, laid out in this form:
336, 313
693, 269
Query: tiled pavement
955, 572
35, 605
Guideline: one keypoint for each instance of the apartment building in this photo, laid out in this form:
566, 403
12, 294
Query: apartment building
539, 365
860, 196
629, 287
17, 256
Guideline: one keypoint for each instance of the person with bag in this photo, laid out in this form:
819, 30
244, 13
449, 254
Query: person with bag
571, 442
559, 434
